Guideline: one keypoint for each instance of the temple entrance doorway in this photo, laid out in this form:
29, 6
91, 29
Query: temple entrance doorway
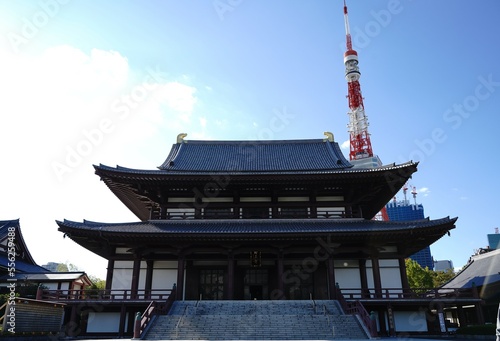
256, 284
211, 284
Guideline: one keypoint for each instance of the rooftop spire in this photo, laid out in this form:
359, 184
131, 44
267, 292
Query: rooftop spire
347, 30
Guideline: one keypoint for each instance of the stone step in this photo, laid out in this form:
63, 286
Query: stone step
255, 307
253, 320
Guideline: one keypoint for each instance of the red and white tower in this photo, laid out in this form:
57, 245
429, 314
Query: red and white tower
361, 152
361, 146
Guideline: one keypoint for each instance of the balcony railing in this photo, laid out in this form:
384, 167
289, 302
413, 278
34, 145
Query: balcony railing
107, 295
241, 215
399, 293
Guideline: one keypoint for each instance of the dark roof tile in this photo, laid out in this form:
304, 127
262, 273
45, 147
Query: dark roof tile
255, 156
257, 226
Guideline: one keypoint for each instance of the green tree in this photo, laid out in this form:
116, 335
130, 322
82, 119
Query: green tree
418, 277
95, 290
97, 283
66, 267
441, 277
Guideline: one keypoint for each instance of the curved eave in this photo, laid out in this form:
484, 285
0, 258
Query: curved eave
410, 236
142, 174
123, 182
19, 240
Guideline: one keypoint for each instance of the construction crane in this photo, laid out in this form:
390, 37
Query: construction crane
414, 193
359, 137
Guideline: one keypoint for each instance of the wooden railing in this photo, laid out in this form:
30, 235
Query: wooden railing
320, 214
98, 294
154, 308
356, 308
349, 299
3, 312
399, 293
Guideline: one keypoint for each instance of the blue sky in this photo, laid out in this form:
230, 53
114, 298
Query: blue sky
89, 82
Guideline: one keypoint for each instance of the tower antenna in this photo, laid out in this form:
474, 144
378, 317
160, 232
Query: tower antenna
361, 146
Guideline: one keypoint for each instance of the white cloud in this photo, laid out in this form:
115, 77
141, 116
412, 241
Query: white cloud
54, 104
203, 122
424, 191
345, 145
178, 96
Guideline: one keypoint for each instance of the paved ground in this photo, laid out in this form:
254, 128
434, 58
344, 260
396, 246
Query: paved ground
377, 339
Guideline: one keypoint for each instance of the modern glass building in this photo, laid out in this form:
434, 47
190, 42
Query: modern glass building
404, 211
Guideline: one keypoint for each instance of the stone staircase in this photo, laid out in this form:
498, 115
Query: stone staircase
255, 320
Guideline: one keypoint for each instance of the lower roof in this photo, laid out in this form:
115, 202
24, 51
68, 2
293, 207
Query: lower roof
49, 276
411, 235
483, 269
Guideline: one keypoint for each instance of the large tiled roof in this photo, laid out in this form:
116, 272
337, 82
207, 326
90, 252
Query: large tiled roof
255, 156
409, 237
236, 165
253, 226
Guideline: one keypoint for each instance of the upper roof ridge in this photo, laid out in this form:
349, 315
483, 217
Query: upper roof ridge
255, 156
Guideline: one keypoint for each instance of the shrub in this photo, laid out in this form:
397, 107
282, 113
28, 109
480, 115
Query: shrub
484, 329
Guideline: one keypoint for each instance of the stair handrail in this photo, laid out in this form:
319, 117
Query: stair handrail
1, 308
177, 325
154, 308
357, 308
343, 303
313, 303
365, 318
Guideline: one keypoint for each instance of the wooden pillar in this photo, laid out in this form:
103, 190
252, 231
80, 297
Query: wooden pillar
123, 315
332, 288
479, 307
280, 274
109, 274
314, 207
230, 276
364, 280
149, 278
179, 293
462, 321
404, 277
381, 322
377, 281
73, 329
136, 271
163, 212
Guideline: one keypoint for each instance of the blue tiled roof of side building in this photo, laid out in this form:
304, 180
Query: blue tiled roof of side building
24, 263
21, 266
251, 156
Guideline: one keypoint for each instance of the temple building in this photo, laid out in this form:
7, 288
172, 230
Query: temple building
260, 220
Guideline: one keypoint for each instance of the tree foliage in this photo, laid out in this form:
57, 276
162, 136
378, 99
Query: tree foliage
66, 267
419, 277
441, 277
97, 283
95, 290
